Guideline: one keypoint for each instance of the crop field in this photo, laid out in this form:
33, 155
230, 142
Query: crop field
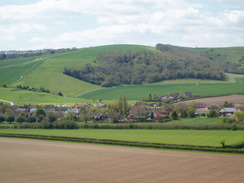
188, 137
137, 92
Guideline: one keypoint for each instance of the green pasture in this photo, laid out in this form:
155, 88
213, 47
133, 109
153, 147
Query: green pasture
137, 92
22, 97
230, 54
15, 70
190, 137
18, 61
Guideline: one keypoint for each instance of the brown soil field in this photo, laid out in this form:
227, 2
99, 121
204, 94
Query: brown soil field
235, 99
36, 161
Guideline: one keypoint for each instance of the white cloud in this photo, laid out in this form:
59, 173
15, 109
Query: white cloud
37, 40
121, 21
61, 23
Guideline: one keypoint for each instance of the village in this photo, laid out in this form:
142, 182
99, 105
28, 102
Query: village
159, 109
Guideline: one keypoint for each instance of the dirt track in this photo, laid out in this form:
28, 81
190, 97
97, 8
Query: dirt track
34, 161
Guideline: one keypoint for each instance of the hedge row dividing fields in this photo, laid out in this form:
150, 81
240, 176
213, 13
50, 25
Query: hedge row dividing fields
127, 143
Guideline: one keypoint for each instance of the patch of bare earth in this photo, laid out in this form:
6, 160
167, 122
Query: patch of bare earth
235, 99
33, 161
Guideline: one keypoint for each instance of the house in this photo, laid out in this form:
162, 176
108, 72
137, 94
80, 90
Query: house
72, 110
50, 108
101, 105
31, 108
213, 107
188, 94
201, 111
201, 105
160, 114
140, 111
225, 112
86, 106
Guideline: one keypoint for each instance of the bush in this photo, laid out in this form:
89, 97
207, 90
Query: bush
40, 118
10, 119
20, 119
65, 125
212, 114
46, 125
234, 127
31, 119
52, 118
30, 125
2, 119
229, 120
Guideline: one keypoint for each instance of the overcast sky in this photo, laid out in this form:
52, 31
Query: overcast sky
38, 24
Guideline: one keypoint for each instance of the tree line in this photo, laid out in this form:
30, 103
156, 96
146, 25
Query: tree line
30, 53
117, 68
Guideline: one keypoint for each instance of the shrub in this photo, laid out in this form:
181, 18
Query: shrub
212, 114
52, 118
234, 127
10, 119
222, 142
229, 120
2, 119
46, 125
31, 119
30, 125
40, 118
20, 119
65, 124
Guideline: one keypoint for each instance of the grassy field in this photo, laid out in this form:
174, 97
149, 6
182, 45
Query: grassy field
22, 97
137, 92
14, 70
230, 54
191, 137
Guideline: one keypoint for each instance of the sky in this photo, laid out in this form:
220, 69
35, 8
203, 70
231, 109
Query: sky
40, 24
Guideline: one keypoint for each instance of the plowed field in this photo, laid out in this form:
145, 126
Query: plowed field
29, 161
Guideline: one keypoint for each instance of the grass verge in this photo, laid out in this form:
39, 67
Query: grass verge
128, 143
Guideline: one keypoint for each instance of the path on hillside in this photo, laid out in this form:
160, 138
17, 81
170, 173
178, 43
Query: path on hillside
22, 77
46, 161
11, 103
36, 60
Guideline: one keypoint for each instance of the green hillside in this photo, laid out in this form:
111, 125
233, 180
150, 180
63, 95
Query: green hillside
22, 97
50, 75
47, 71
231, 58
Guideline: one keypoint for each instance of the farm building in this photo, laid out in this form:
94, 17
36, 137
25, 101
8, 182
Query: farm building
227, 111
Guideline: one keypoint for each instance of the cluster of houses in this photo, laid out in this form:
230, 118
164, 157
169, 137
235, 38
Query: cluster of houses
173, 97
140, 111
202, 110
30, 109
144, 111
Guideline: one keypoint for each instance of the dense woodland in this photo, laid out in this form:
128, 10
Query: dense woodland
168, 62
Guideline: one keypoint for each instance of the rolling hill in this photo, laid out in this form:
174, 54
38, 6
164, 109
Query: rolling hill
47, 71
